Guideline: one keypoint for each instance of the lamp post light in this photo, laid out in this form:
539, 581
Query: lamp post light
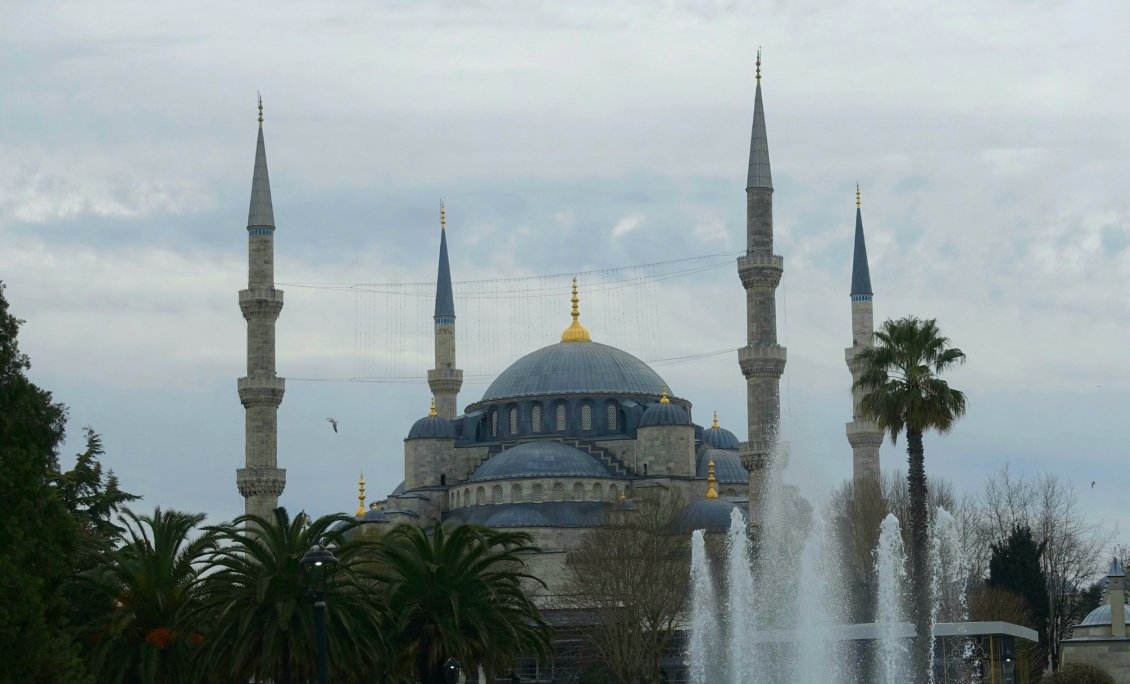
451, 670
319, 563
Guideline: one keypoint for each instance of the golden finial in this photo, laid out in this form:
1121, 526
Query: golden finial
260, 108
432, 410
857, 202
663, 396
576, 332
442, 216
361, 496
622, 497
711, 493
715, 425
758, 64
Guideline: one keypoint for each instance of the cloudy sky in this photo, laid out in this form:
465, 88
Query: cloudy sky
992, 141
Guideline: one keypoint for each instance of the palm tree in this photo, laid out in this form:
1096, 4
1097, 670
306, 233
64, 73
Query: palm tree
459, 593
903, 392
256, 611
149, 582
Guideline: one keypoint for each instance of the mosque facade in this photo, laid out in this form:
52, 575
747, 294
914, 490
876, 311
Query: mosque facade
569, 431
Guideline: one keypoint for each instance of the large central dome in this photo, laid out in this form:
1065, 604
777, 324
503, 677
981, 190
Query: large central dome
575, 368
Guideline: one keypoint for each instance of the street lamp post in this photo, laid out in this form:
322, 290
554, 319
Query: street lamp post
319, 563
451, 670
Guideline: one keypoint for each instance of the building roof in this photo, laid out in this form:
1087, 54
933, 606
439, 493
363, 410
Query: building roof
261, 213
575, 368
664, 413
720, 438
727, 466
759, 175
1098, 616
548, 514
1115, 569
540, 459
445, 300
712, 515
860, 272
432, 427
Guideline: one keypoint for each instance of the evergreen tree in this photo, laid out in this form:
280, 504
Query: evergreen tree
1015, 566
38, 537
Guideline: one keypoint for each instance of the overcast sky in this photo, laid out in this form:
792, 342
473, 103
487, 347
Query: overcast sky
992, 141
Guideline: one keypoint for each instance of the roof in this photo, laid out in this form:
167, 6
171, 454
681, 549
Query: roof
720, 438
548, 514
261, 213
540, 459
664, 414
759, 175
860, 272
432, 427
1115, 569
1098, 616
712, 515
575, 368
728, 466
445, 301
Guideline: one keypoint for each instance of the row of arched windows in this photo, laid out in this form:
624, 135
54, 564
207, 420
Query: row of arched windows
560, 418
535, 493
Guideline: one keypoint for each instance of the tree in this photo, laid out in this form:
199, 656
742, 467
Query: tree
628, 576
1079, 673
150, 581
458, 593
92, 496
902, 391
255, 610
38, 539
1015, 567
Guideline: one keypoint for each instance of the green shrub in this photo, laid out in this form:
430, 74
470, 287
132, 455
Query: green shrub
1079, 673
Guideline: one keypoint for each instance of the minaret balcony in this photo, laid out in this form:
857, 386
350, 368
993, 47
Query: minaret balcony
760, 270
445, 380
757, 456
763, 361
864, 433
260, 481
261, 391
260, 301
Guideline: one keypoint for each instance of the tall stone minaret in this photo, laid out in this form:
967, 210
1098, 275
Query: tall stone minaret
445, 379
863, 435
762, 360
261, 482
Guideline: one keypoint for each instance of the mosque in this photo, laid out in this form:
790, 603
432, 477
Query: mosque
569, 431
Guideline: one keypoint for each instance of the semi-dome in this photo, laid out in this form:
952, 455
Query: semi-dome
540, 459
712, 515
664, 413
432, 426
575, 368
719, 437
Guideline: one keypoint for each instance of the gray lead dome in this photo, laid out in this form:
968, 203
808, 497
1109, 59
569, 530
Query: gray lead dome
575, 368
432, 427
540, 459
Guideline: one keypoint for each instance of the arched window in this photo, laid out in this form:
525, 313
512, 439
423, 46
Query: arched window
731, 492
539, 493
480, 496
645, 470
442, 480
535, 418
516, 493
578, 492
561, 541
611, 411
586, 416
496, 494
558, 491
494, 422
466, 497
597, 492
613, 493
559, 421
513, 421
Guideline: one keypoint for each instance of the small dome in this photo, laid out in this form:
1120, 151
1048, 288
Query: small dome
712, 515
1098, 617
432, 427
374, 515
540, 459
720, 438
664, 413
728, 466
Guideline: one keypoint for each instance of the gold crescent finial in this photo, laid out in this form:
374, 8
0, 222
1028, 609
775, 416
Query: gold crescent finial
260, 108
432, 410
442, 215
576, 332
361, 496
759, 64
711, 493
715, 425
663, 396
857, 202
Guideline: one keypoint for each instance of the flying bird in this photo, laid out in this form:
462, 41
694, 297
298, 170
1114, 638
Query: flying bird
333, 422
1092, 484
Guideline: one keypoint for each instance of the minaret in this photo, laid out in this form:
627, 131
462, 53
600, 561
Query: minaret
445, 379
261, 482
762, 360
863, 435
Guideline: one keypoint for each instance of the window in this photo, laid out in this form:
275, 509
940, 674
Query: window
558, 491
480, 496
496, 494
559, 423
578, 492
442, 480
535, 418
516, 493
466, 497
586, 416
645, 470
494, 423
597, 492
613, 493
731, 492
611, 409
539, 493
513, 421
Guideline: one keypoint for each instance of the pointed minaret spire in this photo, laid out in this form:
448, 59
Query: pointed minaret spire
759, 175
261, 481
445, 379
361, 496
863, 435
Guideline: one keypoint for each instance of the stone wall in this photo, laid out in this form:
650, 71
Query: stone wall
1112, 655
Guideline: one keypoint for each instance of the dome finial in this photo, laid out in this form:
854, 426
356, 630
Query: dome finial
711, 493
260, 108
442, 215
576, 332
759, 64
361, 496
432, 410
716, 425
857, 202
663, 396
